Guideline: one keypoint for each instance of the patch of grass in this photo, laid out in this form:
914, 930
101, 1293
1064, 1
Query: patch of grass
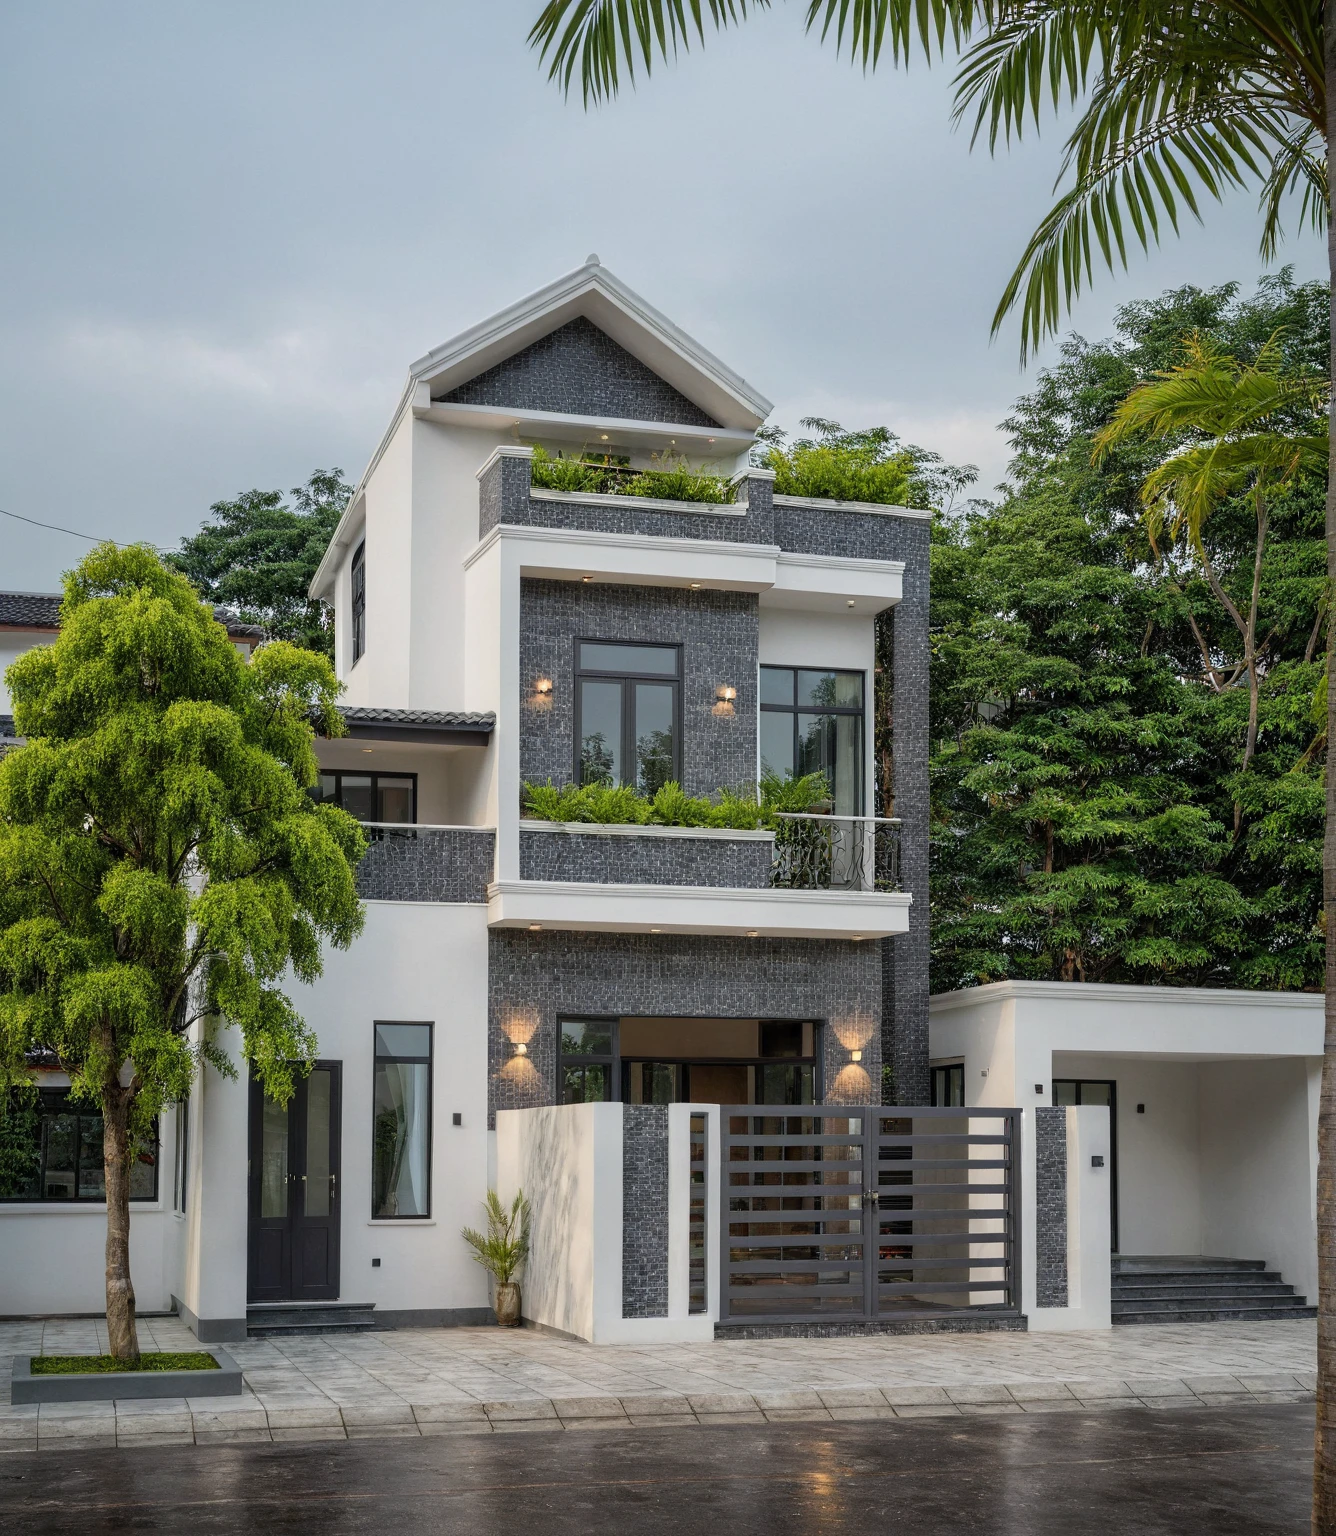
156, 1360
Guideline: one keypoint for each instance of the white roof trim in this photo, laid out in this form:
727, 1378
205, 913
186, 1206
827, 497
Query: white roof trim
593, 291
1123, 992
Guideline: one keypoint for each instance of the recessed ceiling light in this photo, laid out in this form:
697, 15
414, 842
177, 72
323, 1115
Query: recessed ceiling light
656, 930
753, 933
587, 578
695, 586
368, 749
851, 602
604, 436
535, 927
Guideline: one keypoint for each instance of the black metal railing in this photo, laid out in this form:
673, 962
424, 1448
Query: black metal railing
865, 1213
814, 852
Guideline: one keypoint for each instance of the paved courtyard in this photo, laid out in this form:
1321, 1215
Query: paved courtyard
441, 1381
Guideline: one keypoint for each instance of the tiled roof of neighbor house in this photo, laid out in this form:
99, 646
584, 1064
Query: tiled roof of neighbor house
6, 726
41, 610
421, 719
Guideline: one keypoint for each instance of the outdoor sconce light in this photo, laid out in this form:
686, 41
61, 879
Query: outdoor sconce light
521, 1049
543, 687
855, 1055
724, 696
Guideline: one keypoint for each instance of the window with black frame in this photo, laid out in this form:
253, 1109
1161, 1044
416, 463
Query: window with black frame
588, 1060
372, 797
401, 1120
628, 714
359, 602
181, 1164
51, 1150
948, 1085
811, 721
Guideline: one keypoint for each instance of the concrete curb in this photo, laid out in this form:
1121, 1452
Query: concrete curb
103, 1387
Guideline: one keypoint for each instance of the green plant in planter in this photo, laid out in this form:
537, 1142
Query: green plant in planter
502, 1250
679, 482
562, 474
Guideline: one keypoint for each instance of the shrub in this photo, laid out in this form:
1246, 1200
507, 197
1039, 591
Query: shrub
671, 806
677, 481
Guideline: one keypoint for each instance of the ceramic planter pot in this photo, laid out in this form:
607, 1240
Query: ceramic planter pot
507, 1305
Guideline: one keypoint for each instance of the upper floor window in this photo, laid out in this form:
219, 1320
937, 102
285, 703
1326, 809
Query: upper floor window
51, 1149
812, 722
390, 797
628, 714
359, 603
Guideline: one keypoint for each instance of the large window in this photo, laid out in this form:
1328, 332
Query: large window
628, 722
388, 797
181, 1166
401, 1150
51, 1149
812, 722
588, 1058
359, 603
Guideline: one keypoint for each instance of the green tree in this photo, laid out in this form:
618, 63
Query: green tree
258, 555
161, 862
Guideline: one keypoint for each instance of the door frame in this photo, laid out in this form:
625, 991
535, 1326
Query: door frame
1111, 1083
296, 1214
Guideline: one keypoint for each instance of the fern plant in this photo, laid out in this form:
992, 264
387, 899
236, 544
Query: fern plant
504, 1247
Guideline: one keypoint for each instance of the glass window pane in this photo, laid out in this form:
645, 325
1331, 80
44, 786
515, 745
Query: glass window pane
833, 745
776, 744
60, 1134
395, 798
274, 1159
401, 1153
654, 736
357, 797
600, 732
830, 690
1094, 1093
781, 1038
143, 1170
21, 1151
1064, 1092
317, 1143
92, 1170
658, 660
777, 685
653, 1082
584, 1085
328, 788
586, 1037
403, 1040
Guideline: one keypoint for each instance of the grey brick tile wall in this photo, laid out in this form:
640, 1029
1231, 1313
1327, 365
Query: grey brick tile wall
580, 370
1050, 1190
718, 633
536, 978
450, 864
645, 1210
600, 859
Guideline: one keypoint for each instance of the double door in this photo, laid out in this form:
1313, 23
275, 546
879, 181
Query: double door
293, 1247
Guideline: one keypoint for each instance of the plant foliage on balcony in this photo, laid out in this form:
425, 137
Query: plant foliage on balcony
676, 481
621, 805
872, 465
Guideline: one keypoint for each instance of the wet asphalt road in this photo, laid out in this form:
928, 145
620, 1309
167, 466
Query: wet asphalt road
1212, 1471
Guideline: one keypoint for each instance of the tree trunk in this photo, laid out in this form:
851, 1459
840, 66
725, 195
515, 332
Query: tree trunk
1324, 1437
122, 1335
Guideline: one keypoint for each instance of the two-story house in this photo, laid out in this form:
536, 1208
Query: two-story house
494, 633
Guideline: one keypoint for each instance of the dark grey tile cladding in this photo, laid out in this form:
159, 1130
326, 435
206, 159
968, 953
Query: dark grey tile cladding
450, 864
1008, 1324
536, 978
580, 370
615, 859
1050, 1193
645, 1210
718, 632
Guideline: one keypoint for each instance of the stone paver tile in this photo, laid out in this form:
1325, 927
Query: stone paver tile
461, 1412
602, 1422
865, 1411
980, 1408
142, 1407
1174, 1402
438, 1427
980, 1392
1307, 1380
793, 1398
1028, 1392
740, 1416
796, 1415
362, 1415
1280, 1397
926, 1410
647, 1406
711, 1403
663, 1420
914, 1397
588, 1408
308, 1414
1271, 1381
232, 1436
207, 1417
1052, 1405
520, 1410
17, 1418
1157, 1386
384, 1429
1094, 1391
1214, 1385
851, 1397
524, 1426
283, 1436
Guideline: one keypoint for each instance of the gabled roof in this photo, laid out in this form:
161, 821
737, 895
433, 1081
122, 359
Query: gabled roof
593, 292
41, 610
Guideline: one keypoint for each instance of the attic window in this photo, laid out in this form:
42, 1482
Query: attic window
359, 602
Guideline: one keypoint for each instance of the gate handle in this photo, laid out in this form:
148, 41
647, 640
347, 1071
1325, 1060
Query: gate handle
870, 1197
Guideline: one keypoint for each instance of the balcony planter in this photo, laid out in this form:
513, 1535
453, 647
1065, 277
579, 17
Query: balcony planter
106, 1386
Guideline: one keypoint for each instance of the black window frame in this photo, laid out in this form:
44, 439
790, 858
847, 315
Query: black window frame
430, 1058
55, 1101
374, 775
628, 681
795, 709
610, 1060
359, 602
948, 1071
181, 1157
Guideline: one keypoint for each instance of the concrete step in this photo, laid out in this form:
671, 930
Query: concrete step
273, 1318
1219, 1314
1173, 1263
1283, 1300
1158, 1290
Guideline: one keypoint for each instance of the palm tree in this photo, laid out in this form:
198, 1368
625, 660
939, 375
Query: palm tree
1233, 426
1179, 98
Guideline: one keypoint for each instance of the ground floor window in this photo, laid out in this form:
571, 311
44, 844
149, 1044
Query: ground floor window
51, 1149
180, 1169
948, 1085
704, 1061
401, 1150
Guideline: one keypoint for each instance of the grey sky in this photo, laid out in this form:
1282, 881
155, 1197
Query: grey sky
230, 227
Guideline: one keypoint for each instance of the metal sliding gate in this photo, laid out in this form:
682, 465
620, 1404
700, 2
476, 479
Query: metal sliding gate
867, 1213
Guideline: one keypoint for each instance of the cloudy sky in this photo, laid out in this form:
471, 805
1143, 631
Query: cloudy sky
230, 226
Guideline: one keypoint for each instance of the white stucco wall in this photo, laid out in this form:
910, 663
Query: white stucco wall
13, 643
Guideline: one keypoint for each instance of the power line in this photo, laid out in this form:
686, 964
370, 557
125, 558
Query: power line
56, 528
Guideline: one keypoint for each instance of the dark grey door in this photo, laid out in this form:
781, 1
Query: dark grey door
293, 1249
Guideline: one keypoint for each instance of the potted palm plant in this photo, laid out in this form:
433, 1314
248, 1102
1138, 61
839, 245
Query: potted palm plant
502, 1250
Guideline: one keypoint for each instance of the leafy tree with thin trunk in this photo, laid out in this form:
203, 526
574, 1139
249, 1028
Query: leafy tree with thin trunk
1175, 101
162, 865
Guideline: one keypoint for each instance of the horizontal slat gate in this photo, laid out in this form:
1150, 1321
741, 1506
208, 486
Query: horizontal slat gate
866, 1213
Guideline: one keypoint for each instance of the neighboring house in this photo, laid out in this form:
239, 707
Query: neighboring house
491, 633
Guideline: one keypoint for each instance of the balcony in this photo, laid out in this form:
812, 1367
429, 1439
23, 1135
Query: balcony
406, 861
836, 853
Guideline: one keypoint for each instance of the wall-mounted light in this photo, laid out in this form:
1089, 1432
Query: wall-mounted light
543, 687
753, 933
521, 1049
850, 603
535, 927
724, 695
694, 585
586, 578
604, 436
855, 1055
